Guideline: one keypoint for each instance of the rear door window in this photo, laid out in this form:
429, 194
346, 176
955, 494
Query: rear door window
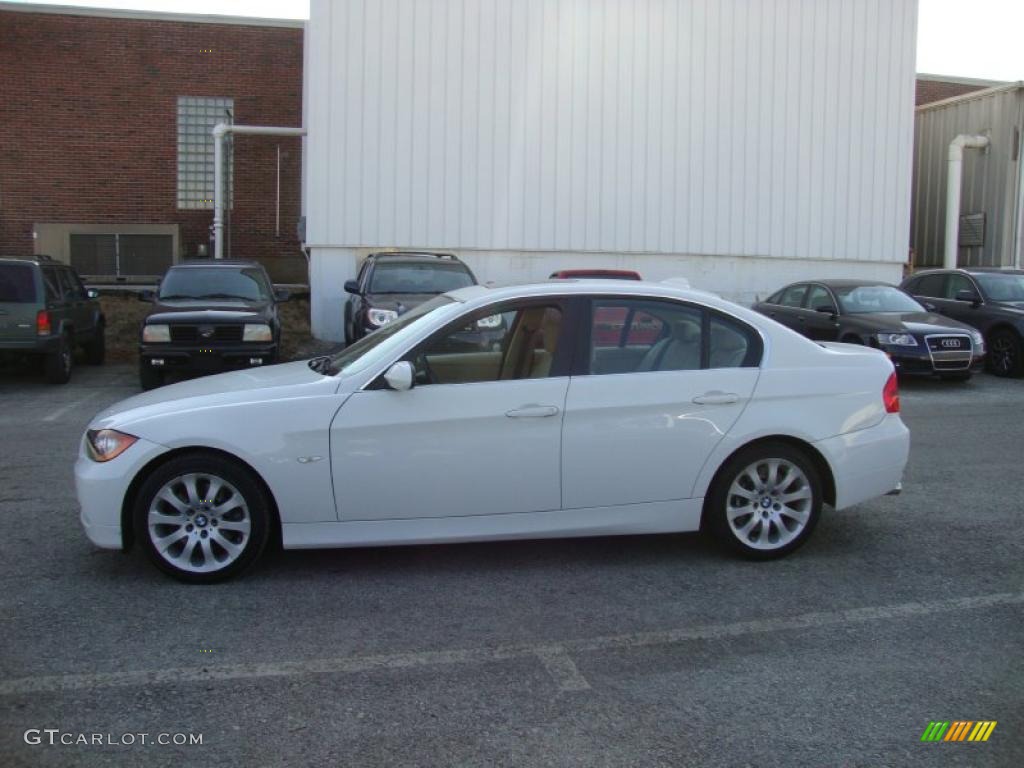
793, 296
17, 284
51, 284
930, 285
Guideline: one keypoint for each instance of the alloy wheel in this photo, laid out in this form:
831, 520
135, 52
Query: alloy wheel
1003, 355
199, 522
769, 504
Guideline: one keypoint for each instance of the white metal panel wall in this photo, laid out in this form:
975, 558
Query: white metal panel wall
728, 127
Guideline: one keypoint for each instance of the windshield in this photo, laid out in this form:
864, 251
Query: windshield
862, 299
249, 283
419, 278
17, 284
387, 340
1002, 287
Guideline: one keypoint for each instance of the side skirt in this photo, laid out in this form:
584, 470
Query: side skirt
653, 517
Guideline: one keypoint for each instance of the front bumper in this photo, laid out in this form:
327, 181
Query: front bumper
867, 463
202, 359
101, 489
918, 361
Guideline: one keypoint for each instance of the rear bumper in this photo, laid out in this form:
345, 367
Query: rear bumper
218, 358
868, 463
42, 345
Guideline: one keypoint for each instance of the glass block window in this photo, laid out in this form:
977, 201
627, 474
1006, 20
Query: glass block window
196, 118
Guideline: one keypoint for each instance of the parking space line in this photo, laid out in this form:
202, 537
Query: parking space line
555, 657
71, 406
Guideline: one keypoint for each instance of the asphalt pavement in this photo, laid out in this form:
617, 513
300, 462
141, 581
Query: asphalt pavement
642, 651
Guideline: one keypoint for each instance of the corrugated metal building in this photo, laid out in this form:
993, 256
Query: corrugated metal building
992, 201
738, 143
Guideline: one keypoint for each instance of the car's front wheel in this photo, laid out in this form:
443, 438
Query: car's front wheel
202, 518
1005, 356
765, 501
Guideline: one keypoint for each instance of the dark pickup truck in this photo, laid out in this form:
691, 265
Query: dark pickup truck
208, 317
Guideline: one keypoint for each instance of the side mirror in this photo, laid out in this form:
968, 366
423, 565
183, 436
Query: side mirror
969, 296
400, 376
282, 294
92, 293
929, 306
147, 295
351, 286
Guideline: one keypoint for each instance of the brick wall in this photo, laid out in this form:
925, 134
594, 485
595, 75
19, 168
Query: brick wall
88, 126
929, 91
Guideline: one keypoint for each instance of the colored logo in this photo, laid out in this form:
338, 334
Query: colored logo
958, 730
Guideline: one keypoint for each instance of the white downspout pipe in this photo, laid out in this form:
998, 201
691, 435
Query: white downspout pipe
219, 132
953, 183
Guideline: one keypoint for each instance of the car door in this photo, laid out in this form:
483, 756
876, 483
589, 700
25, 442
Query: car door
641, 431
789, 310
930, 290
82, 307
817, 323
478, 434
964, 311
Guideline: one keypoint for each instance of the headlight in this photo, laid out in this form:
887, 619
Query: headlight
257, 332
979, 341
379, 317
156, 333
897, 339
107, 444
494, 321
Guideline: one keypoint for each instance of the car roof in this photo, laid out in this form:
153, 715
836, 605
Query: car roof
416, 256
969, 271
840, 283
216, 263
37, 259
594, 286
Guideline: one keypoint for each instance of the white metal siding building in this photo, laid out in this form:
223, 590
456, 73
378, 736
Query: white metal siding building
738, 143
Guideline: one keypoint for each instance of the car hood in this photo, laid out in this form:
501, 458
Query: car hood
225, 389
912, 322
207, 311
399, 302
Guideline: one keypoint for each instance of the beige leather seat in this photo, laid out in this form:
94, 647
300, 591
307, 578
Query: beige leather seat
679, 351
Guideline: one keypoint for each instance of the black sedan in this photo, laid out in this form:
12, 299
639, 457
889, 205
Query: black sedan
209, 316
991, 300
879, 315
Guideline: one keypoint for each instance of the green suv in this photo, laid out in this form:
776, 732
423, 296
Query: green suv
45, 311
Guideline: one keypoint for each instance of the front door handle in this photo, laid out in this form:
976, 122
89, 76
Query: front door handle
532, 412
717, 398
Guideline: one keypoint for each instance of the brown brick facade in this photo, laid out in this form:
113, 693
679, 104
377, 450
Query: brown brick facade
929, 91
88, 126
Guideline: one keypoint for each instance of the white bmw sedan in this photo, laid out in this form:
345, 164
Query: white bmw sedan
584, 408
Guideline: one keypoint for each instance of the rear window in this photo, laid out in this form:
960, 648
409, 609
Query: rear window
17, 284
419, 278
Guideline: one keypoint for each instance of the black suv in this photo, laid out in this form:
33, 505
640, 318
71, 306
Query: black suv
390, 284
209, 316
991, 300
46, 312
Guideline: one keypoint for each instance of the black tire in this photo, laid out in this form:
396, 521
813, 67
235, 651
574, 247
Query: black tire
96, 349
58, 365
757, 518
150, 377
1005, 357
199, 524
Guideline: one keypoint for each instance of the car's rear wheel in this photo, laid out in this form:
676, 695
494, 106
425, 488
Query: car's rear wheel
765, 501
1004, 354
202, 518
59, 362
150, 377
96, 348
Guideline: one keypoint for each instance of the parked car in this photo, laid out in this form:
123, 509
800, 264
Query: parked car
209, 316
725, 420
609, 274
390, 284
46, 312
879, 315
990, 300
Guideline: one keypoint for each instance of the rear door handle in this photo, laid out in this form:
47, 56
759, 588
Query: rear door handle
532, 412
717, 398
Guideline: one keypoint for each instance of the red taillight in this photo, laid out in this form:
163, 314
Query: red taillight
43, 323
891, 395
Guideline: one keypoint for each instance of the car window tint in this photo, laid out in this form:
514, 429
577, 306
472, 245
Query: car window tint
76, 284
67, 288
930, 285
637, 336
517, 343
732, 344
246, 283
50, 284
793, 296
957, 283
17, 284
419, 278
1006, 287
818, 296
